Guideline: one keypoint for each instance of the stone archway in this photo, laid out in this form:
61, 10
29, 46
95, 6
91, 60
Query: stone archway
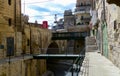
53, 48
79, 46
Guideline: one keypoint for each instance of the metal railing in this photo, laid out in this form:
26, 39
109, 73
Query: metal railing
76, 67
69, 35
56, 52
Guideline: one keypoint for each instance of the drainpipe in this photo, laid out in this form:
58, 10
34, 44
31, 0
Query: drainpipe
15, 26
30, 39
20, 17
15, 13
104, 20
104, 10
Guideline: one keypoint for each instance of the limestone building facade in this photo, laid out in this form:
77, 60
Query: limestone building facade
107, 33
82, 12
18, 40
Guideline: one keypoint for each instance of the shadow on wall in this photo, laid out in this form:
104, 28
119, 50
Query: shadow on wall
53, 48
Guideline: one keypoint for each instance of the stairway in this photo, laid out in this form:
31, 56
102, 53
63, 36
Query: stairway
91, 44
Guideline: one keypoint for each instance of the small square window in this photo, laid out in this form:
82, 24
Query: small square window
9, 2
115, 24
10, 21
28, 42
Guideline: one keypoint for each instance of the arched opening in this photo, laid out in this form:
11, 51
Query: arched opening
79, 47
51, 64
53, 48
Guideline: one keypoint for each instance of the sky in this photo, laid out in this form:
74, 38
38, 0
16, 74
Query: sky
41, 10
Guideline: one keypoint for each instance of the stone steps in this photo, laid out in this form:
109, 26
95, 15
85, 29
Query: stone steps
91, 44
90, 41
91, 48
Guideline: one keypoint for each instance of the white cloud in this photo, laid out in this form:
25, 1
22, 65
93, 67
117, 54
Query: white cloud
64, 2
51, 5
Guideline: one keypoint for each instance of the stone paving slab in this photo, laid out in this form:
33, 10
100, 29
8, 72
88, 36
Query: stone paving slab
98, 65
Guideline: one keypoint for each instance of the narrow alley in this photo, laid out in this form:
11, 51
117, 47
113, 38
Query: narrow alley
59, 38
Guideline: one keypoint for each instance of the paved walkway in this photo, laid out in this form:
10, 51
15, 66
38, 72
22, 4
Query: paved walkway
97, 65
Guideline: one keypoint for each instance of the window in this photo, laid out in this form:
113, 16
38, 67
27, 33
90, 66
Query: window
28, 42
9, 2
81, 4
115, 25
82, 17
10, 21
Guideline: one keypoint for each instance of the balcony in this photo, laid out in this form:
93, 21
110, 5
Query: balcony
85, 5
79, 12
86, 19
82, 9
69, 35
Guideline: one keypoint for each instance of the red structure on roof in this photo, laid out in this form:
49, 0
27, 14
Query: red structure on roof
45, 24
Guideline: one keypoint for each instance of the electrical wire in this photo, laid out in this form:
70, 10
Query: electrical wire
38, 2
48, 15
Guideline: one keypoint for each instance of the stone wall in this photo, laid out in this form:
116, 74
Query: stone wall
21, 64
41, 38
22, 67
12, 69
114, 53
113, 31
114, 34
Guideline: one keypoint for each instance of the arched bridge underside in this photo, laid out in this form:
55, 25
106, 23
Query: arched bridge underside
53, 48
69, 35
64, 62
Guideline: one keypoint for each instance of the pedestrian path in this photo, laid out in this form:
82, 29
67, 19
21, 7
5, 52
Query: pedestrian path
97, 65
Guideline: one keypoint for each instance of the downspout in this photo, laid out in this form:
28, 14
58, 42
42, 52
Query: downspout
22, 35
20, 16
15, 13
104, 44
15, 25
104, 10
30, 39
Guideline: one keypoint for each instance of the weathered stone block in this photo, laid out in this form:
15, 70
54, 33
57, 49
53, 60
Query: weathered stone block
18, 44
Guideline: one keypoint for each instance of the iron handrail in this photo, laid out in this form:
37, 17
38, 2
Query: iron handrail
77, 60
